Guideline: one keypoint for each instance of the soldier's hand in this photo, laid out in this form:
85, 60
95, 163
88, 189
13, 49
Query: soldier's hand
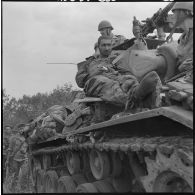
102, 68
186, 65
115, 72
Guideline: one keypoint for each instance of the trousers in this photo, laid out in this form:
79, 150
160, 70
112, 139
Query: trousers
111, 88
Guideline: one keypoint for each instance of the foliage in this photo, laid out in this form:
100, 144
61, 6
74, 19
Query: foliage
29, 107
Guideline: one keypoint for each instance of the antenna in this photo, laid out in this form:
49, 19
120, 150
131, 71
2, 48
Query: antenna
61, 63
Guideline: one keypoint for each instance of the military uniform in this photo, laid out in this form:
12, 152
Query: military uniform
82, 74
101, 79
185, 47
24, 175
6, 137
183, 14
16, 155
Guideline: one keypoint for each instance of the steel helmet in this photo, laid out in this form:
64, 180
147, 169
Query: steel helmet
104, 24
183, 5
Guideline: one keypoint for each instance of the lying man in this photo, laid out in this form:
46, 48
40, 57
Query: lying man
100, 78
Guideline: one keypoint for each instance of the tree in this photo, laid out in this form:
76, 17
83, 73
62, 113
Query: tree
29, 107
9, 108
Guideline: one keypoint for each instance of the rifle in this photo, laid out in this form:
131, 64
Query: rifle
178, 75
157, 20
31, 126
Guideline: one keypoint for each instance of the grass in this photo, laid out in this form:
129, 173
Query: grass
18, 185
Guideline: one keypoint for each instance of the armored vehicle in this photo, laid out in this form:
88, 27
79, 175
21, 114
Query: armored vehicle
146, 151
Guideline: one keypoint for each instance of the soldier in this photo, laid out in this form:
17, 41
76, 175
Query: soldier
105, 28
101, 79
6, 136
183, 14
16, 154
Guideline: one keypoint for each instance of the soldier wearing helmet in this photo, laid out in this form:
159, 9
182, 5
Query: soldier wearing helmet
105, 28
16, 153
183, 14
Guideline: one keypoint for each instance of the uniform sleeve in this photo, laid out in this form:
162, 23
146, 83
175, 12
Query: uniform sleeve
11, 144
82, 74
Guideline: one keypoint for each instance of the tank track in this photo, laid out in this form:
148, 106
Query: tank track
157, 154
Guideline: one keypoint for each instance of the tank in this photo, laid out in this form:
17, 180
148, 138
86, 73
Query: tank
150, 150
147, 151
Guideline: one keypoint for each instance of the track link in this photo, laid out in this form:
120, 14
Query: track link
160, 154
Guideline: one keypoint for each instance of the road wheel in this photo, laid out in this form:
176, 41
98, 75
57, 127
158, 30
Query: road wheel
79, 179
51, 179
104, 186
40, 180
64, 172
121, 184
85, 161
89, 176
86, 188
46, 161
100, 164
36, 165
116, 165
66, 184
169, 181
73, 162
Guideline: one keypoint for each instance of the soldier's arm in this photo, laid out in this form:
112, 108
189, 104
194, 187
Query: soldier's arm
186, 65
11, 144
10, 149
82, 74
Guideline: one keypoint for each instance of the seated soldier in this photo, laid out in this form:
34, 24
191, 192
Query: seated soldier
100, 78
183, 13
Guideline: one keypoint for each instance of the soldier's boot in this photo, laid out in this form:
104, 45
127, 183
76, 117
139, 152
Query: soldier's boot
149, 88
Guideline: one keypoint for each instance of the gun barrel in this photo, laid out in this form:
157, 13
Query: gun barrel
62, 63
152, 23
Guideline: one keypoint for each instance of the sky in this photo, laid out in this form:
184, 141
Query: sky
37, 33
